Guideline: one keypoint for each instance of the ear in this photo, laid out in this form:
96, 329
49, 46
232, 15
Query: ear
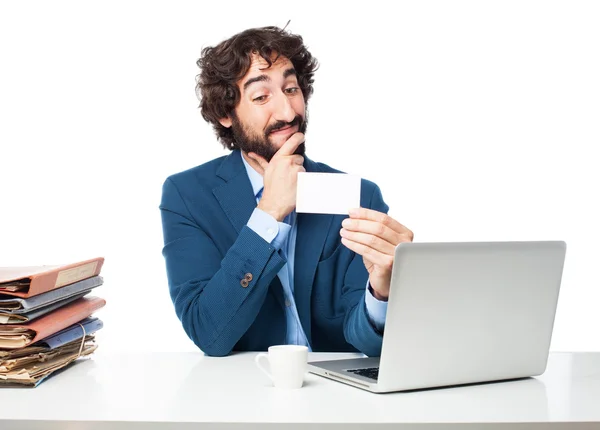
225, 122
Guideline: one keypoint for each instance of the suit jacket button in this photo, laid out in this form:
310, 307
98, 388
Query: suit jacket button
244, 283
248, 277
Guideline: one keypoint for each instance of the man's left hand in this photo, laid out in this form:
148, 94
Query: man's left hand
374, 235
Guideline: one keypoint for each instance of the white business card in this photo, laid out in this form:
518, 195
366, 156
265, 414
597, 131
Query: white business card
327, 193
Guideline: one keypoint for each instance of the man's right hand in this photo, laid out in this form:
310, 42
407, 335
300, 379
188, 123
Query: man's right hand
280, 178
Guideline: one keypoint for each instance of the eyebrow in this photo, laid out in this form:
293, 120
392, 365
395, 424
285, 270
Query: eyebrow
265, 78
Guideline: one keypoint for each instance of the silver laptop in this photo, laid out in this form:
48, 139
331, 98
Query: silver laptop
461, 313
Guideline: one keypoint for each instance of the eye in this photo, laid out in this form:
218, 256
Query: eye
259, 99
292, 90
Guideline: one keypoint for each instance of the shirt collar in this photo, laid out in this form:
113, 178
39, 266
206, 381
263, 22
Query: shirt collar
255, 178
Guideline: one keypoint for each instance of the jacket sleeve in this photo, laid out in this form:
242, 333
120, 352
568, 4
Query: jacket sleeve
206, 288
358, 329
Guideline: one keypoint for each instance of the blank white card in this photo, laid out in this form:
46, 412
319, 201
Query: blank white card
327, 193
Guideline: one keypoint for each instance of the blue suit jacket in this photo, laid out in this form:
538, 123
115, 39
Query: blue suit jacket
209, 250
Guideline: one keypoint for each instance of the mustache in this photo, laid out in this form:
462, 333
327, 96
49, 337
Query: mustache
282, 124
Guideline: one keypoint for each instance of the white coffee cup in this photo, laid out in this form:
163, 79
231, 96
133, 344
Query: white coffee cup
288, 365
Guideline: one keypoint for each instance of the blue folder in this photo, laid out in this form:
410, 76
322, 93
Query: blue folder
71, 333
17, 305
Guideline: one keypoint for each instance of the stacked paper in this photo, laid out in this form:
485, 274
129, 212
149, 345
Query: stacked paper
45, 319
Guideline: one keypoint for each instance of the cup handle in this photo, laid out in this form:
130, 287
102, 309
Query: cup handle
257, 360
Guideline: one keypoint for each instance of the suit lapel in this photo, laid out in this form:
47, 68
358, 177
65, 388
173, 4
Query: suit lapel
237, 200
235, 196
310, 239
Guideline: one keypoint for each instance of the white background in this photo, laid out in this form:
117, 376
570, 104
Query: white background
479, 121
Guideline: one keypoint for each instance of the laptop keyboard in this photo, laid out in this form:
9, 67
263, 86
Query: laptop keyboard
369, 372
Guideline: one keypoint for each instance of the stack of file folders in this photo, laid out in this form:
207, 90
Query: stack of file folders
46, 320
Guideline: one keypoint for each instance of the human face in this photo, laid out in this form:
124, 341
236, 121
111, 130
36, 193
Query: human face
271, 108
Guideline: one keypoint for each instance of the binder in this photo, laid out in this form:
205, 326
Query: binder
33, 280
17, 305
63, 337
31, 370
72, 333
15, 336
23, 317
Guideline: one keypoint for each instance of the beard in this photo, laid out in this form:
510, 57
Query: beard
248, 141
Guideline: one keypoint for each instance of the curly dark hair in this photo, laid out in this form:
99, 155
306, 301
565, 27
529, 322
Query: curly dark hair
222, 66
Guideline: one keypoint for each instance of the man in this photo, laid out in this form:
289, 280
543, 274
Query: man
245, 270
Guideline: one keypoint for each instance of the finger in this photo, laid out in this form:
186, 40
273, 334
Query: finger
373, 228
369, 240
290, 145
298, 159
372, 215
260, 160
374, 256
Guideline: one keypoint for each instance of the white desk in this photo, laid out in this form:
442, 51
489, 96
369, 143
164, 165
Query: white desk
184, 390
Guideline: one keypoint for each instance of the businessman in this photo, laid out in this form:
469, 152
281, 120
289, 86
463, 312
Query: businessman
245, 270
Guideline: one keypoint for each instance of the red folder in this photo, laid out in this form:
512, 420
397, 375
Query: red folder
33, 280
13, 336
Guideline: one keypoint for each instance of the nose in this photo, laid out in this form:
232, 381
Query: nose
284, 110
